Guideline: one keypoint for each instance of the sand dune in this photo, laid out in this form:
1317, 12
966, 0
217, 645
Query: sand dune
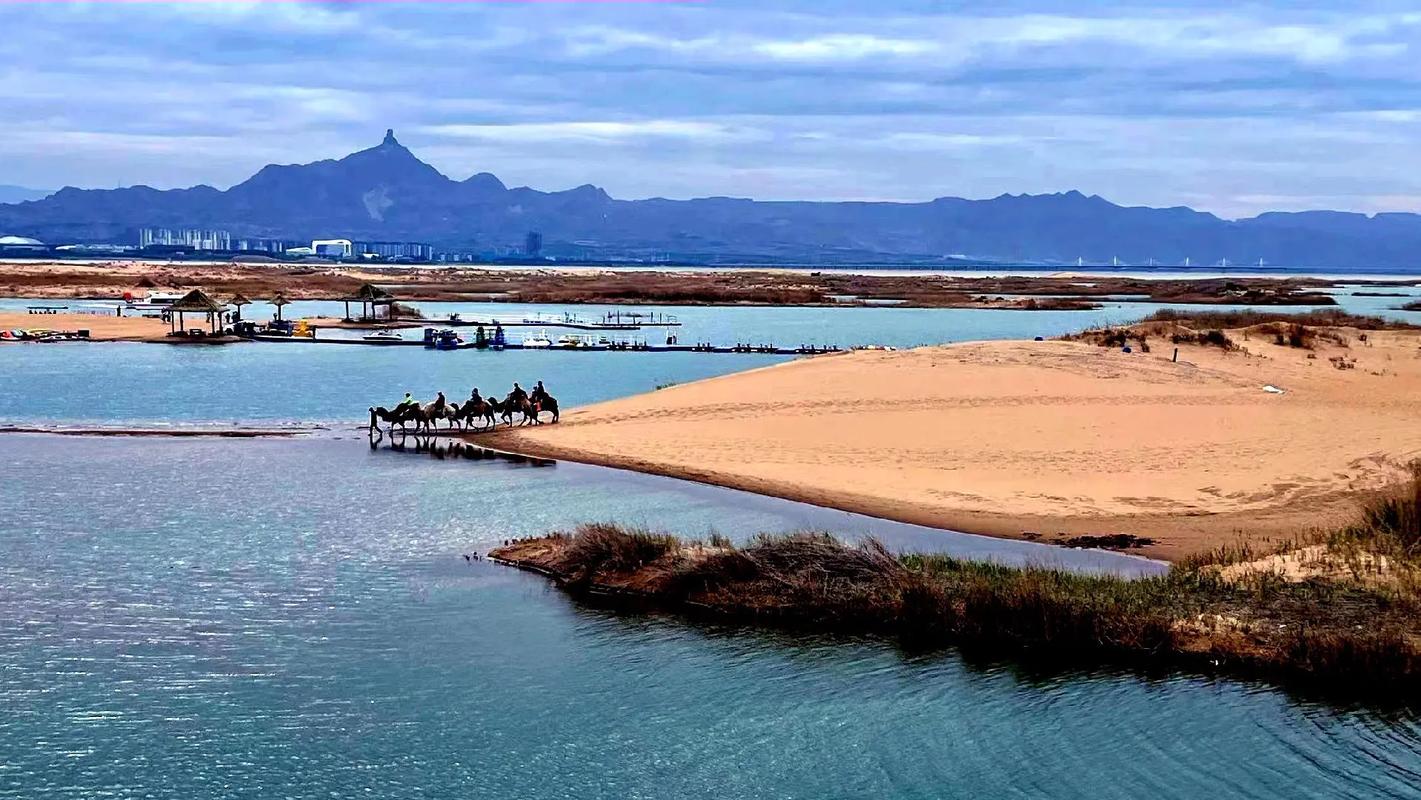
1037, 438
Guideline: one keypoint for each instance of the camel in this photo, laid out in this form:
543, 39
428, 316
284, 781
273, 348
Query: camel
547, 403
482, 411
531, 410
437, 411
400, 416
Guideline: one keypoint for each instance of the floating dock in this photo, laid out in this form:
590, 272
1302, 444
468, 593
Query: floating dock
580, 348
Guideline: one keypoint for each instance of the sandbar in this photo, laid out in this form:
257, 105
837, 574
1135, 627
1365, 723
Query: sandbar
1038, 439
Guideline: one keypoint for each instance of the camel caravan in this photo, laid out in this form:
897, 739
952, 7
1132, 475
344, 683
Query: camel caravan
478, 413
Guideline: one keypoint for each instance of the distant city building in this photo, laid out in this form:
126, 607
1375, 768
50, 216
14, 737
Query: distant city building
263, 245
109, 249
414, 251
194, 238
533, 246
333, 248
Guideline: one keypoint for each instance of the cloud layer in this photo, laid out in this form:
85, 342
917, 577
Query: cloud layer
1228, 109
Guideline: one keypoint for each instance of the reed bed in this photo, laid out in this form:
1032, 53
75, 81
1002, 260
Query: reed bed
1248, 318
1348, 634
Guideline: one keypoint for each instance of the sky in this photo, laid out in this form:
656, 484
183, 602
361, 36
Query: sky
1226, 107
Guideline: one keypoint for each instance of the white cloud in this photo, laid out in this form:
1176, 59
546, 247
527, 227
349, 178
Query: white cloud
598, 132
843, 47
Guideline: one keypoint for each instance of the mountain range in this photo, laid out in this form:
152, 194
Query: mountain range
386, 193
18, 194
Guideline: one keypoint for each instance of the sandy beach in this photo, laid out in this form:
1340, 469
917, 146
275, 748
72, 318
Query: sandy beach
101, 328
1038, 439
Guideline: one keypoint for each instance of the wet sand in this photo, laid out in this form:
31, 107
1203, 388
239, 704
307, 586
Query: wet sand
1037, 439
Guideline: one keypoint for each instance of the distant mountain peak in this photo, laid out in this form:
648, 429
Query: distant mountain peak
485, 182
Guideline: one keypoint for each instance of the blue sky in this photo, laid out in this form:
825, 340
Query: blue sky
1227, 107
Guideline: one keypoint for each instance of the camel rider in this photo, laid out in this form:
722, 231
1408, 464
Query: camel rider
517, 396
474, 397
538, 393
408, 403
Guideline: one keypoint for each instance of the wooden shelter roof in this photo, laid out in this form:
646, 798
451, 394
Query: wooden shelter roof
239, 299
196, 301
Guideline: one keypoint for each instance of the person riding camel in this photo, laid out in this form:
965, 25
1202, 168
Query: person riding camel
407, 403
475, 398
517, 396
538, 393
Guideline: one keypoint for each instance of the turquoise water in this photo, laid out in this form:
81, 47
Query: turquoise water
110, 383
202, 618
272, 618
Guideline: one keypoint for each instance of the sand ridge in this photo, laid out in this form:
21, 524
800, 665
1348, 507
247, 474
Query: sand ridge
1037, 438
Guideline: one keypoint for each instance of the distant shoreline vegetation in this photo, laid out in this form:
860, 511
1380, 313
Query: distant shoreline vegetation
828, 288
1338, 612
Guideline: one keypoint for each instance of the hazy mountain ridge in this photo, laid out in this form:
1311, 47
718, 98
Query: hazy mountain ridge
10, 193
386, 193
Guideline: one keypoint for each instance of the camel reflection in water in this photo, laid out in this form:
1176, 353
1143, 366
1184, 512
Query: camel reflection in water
447, 449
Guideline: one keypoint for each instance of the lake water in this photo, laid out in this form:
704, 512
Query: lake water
203, 618
109, 383
273, 618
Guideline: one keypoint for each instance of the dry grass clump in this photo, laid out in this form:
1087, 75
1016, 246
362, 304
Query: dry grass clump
1392, 520
1248, 318
597, 548
1252, 622
1209, 338
1113, 337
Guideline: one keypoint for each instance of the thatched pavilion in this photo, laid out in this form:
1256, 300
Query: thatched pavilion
370, 297
279, 300
194, 302
238, 300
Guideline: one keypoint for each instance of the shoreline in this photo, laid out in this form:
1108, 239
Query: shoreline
766, 287
1040, 441
159, 433
996, 525
1211, 616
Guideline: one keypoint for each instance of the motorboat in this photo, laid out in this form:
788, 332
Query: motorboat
384, 337
537, 341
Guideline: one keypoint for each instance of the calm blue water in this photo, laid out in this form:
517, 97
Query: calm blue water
195, 619
153, 384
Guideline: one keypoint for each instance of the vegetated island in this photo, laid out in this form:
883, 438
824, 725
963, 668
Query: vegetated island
1339, 612
1262, 426
110, 280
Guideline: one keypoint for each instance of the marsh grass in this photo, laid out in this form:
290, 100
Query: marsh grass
1248, 318
1352, 636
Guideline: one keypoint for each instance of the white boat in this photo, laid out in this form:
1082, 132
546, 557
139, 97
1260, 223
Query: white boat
154, 299
383, 336
538, 340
